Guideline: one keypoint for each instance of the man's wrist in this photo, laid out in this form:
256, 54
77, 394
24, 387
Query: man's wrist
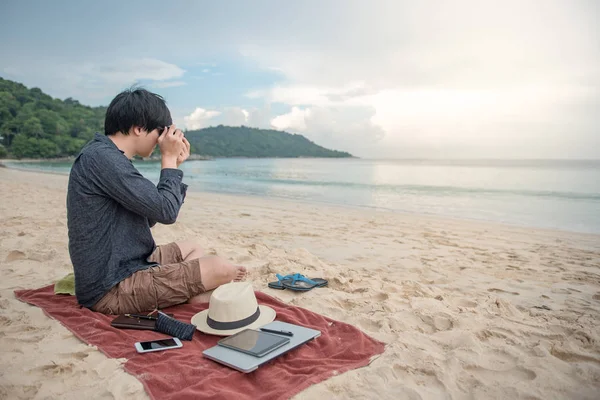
168, 162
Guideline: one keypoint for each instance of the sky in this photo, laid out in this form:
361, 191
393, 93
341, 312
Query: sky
379, 79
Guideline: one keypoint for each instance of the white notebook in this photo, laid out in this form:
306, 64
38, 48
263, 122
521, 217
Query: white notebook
248, 363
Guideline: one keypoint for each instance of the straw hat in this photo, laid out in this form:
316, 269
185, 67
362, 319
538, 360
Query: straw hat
232, 308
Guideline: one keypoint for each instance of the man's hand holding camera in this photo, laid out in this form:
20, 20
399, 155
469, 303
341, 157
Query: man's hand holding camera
185, 153
174, 147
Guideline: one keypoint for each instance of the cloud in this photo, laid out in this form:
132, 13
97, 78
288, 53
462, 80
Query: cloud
348, 128
294, 120
90, 81
475, 121
258, 117
340, 117
231, 116
415, 44
200, 118
132, 70
489, 79
352, 93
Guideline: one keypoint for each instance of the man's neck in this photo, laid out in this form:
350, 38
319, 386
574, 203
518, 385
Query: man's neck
124, 143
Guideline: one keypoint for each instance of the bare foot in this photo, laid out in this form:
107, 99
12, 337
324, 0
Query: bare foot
216, 271
240, 273
235, 273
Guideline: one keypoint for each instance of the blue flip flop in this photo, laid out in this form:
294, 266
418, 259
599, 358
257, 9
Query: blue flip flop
297, 282
277, 284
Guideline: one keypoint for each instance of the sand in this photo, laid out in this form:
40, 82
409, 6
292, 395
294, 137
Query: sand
468, 309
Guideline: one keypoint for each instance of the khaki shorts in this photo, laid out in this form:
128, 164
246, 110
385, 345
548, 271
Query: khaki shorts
174, 281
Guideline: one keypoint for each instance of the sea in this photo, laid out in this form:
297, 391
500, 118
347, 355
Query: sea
555, 194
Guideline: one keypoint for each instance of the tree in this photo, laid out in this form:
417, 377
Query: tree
9, 106
47, 148
8, 130
50, 121
68, 145
71, 102
33, 128
20, 147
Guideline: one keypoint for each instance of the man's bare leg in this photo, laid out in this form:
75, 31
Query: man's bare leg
215, 270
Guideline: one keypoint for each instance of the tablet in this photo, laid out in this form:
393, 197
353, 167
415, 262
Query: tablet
253, 342
246, 363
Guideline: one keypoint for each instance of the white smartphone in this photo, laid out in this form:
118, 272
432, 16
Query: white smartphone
158, 345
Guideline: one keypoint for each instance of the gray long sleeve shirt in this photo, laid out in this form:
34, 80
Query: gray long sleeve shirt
110, 209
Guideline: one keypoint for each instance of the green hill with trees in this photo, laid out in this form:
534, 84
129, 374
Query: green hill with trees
34, 125
229, 141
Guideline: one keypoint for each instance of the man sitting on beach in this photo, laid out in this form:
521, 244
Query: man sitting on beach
111, 207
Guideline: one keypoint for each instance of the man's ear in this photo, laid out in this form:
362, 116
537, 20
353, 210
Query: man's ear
137, 130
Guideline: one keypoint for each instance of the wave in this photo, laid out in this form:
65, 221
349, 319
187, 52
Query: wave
432, 190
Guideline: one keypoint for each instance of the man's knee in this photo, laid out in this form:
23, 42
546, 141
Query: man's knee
190, 248
197, 249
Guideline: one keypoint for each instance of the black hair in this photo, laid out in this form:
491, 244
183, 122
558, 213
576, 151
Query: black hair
136, 107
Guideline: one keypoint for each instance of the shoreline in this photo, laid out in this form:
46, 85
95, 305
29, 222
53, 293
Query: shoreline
192, 189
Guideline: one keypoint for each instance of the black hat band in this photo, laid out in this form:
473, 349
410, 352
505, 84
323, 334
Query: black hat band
226, 326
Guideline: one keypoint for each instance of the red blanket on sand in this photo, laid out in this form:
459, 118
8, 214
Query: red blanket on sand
185, 374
